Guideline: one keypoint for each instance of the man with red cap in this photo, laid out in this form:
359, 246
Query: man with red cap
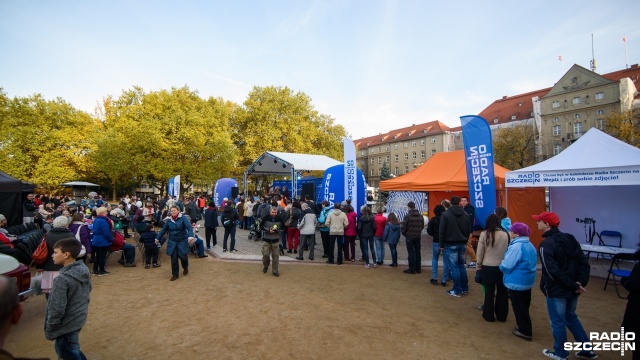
565, 273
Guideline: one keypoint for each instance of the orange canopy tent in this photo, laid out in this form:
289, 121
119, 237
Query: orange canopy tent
445, 175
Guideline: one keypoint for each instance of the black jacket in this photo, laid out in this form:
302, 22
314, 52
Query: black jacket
412, 225
190, 210
433, 228
469, 209
229, 213
563, 264
271, 226
455, 227
211, 217
366, 227
52, 238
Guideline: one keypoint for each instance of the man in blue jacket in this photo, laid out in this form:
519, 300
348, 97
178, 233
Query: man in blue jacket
565, 273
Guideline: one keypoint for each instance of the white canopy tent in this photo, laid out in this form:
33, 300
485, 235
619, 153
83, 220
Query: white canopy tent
273, 162
597, 177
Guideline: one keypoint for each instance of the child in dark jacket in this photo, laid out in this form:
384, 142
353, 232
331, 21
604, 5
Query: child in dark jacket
148, 238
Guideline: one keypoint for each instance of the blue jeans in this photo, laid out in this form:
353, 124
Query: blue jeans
394, 253
229, 231
68, 346
199, 246
455, 256
379, 248
366, 245
248, 222
434, 263
562, 313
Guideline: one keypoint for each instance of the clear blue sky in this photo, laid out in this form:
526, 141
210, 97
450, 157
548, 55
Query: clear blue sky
373, 65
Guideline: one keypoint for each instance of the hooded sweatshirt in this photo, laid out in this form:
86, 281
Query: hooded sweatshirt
455, 227
337, 221
68, 303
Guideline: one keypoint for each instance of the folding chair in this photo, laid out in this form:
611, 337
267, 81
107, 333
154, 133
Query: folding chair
193, 249
613, 272
109, 253
611, 234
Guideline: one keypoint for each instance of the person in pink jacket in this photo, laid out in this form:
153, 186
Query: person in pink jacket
350, 235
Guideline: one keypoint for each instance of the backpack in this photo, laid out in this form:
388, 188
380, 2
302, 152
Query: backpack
227, 222
41, 253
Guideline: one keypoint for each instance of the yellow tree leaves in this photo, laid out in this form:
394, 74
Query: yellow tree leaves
624, 126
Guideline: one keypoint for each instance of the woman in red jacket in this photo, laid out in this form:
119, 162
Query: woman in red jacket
350, 235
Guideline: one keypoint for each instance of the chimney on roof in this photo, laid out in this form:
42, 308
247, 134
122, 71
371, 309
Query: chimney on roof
634, 66
504, 97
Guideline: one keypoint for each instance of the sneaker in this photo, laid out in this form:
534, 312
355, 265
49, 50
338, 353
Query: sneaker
367, 266
94, 273
472, 264
552, 354
224, 250
481, 307
527, 337
208, 247
452, 293
234, 250
444, 284
465, 293
584, 354
104, 273
147, 266
310, 258
353, 260
375, 265
299, 258
276, 274
202, 256
156, 265
129, 265
433, 282
393, 265
409, 271
265, 269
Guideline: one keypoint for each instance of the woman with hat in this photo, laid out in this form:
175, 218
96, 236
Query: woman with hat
519, 268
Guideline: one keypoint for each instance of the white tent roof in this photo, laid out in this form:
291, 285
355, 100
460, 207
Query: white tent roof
595, 159
272, 162
79, 183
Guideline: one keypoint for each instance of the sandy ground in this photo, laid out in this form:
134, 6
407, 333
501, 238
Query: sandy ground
227, 309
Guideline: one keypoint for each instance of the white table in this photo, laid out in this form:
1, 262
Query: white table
608, 250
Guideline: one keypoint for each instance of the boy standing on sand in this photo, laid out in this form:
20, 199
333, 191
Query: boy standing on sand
68, 303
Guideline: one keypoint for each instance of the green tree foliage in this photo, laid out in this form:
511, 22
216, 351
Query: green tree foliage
514, 147
624, 126
45, 142
278, 119
157, 135
385, 174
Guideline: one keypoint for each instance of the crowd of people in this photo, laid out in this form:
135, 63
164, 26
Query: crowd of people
505, 259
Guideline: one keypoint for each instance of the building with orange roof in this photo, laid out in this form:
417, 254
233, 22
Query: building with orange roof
401, 149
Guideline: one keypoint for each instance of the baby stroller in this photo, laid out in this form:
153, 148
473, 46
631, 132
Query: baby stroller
255, 232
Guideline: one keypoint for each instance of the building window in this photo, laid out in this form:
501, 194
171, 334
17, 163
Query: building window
406, 156
555, 105
600, 96
406, 169
421, 141
422, 154
379, 159
395, 146
414, 143
556, 130
600, 112
362, 153
362, 164
556, 119
557, 148
386, 159
414, 156
433, 140
379, 148
433, 152
379, 172
406, 144
577, 116
373, 161
386, 148
396, 157
577, 100
600, 124
577, 129
396, 171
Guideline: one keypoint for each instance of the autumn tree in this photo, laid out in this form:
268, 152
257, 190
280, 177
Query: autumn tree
46, 142
624, 126
514, 147
279, 119
157, 135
